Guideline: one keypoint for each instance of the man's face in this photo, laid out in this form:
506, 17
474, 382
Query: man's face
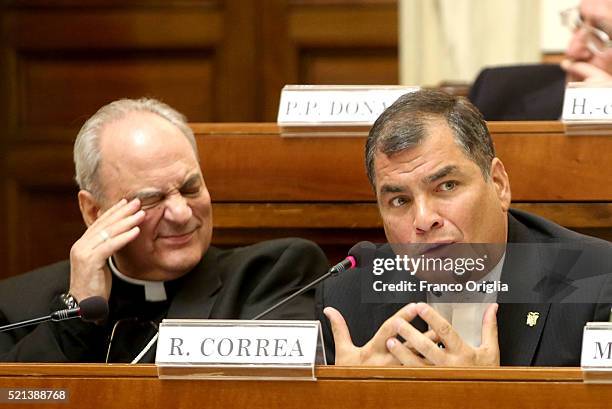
433, 193
597, 14
144, 156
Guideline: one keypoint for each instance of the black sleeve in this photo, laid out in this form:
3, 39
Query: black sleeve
291, 266
256, 277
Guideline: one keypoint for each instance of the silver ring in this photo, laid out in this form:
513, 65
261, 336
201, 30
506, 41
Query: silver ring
105, 236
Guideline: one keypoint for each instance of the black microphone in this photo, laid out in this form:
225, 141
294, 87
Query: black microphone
356, 255
90, 309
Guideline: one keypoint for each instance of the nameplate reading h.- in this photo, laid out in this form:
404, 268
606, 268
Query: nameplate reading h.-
590, 103
239, 349
596, 359
302, 105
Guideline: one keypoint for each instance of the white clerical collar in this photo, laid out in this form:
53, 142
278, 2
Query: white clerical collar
154, 290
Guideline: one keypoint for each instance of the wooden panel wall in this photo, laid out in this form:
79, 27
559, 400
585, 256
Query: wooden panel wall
327, 42
62, 61
213, 60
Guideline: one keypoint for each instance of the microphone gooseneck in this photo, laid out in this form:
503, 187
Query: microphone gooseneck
355, 256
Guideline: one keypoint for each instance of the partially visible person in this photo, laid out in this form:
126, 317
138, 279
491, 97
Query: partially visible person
589, 53
146, 248
535, 92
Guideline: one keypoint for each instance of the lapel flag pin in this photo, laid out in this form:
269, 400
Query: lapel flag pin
532, 318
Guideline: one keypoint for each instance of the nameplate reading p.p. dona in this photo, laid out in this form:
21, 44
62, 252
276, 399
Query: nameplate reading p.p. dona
323, 106
239, 349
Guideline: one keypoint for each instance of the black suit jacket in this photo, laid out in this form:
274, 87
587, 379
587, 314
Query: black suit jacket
237, 283
519, 93
568, 282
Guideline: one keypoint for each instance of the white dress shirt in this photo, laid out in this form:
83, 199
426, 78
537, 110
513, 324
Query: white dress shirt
466, 317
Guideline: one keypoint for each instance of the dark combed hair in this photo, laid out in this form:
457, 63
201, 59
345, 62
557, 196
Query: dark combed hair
404, 125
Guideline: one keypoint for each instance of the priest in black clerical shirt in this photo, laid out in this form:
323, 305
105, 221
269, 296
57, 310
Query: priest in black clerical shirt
146, 249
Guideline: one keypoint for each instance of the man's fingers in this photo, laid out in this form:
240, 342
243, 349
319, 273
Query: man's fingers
120, 218
404, 354
447, 334
431, 334
101, 235
340, 331
118, 211
489, 327
389, 327
583, 71
111, 246
421, 343
111, 210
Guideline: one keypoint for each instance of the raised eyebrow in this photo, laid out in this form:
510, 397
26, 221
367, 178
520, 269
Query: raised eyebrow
445, 171
391, 189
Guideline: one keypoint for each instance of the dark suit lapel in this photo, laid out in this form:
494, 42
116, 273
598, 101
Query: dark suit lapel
520, 330
522, 312
199, 292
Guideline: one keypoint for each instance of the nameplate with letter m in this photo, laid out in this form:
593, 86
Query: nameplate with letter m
596, 360
239, 349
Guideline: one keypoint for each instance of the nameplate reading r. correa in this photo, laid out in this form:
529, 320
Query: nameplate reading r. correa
239, 349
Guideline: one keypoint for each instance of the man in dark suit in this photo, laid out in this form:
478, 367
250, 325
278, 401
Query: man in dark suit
146, 248
519, 92
439, 186
535, 92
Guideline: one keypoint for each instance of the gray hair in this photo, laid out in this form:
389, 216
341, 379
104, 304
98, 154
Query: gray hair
87, 154
404, 124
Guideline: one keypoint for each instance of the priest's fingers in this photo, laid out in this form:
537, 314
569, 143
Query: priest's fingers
118, 211
102, 236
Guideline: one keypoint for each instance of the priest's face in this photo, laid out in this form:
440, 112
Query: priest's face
145, 156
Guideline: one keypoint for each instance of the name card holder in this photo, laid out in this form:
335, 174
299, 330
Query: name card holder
334, 110
596, 359
587, 108
239, 349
